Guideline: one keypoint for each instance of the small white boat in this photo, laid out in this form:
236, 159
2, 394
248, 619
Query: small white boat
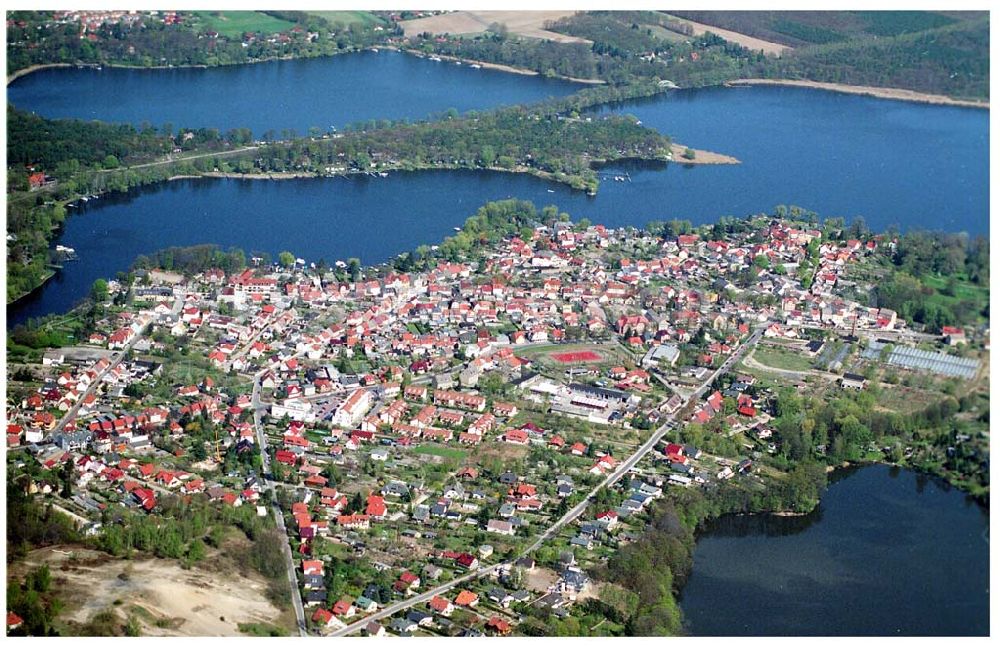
458, 228
476, 66
435, 59
551, 191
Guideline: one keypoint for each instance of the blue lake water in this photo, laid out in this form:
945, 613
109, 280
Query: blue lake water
888, 552
891, 162
276, 95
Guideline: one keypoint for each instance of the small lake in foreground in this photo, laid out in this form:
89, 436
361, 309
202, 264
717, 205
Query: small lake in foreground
888, 552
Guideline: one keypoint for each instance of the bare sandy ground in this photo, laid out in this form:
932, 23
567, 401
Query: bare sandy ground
191, 602
523, 23
540, 579
867, 90
749, 42
700, 156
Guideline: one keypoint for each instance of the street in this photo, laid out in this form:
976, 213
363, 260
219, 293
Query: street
279, 517
573, 513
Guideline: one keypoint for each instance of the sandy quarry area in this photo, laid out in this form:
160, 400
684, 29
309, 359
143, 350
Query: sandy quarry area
186, 602
749, 42
523, 23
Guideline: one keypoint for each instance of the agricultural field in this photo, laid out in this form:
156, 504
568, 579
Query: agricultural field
348, 18
521, 23
233, 24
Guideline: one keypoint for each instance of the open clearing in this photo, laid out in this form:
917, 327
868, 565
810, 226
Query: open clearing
522, 23
349, 17
440, 451
735, 37
233, 24
188, 602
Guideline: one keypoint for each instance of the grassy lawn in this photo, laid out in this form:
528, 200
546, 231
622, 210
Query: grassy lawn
234, 24
440, 451
782, 359
363, 18
966, 293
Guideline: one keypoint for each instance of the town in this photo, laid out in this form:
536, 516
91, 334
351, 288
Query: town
454, 447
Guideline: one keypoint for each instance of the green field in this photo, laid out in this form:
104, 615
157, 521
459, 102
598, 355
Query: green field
362, 18
440, 451
964, 290
233, 24
782, 359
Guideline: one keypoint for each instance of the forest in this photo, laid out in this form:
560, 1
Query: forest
508, 139
938, 279
621, 55
923, 51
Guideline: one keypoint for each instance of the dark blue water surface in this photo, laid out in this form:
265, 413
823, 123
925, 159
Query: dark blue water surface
888, 552
298, 94
892, 162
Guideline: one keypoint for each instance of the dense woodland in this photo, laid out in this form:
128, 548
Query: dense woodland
508, 139
922, 51
619, 57
938, 279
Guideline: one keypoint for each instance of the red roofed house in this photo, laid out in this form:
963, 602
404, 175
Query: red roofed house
323, 617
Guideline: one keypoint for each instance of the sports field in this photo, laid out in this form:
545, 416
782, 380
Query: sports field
585, 356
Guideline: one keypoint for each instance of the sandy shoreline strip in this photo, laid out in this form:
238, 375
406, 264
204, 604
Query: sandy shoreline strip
704, 157
867, 90
24, 71
498, 66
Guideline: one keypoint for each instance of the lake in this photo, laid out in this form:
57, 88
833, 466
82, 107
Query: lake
894, 163
278, 95
888, 552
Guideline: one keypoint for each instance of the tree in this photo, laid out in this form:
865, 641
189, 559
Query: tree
286, 259
67, 480
99, 290
196, 551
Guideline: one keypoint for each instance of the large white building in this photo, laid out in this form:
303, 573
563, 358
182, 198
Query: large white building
350, 413
296, 409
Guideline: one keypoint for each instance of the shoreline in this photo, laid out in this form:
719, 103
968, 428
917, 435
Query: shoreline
498, 66
701, 157
896, 94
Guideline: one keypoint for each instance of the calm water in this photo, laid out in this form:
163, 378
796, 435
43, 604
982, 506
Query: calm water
300, 94
891, 162
888, 552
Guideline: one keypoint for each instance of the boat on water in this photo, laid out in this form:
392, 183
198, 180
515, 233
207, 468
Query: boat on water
551, 191
435, 59
476, 66
458, 228
65, 253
